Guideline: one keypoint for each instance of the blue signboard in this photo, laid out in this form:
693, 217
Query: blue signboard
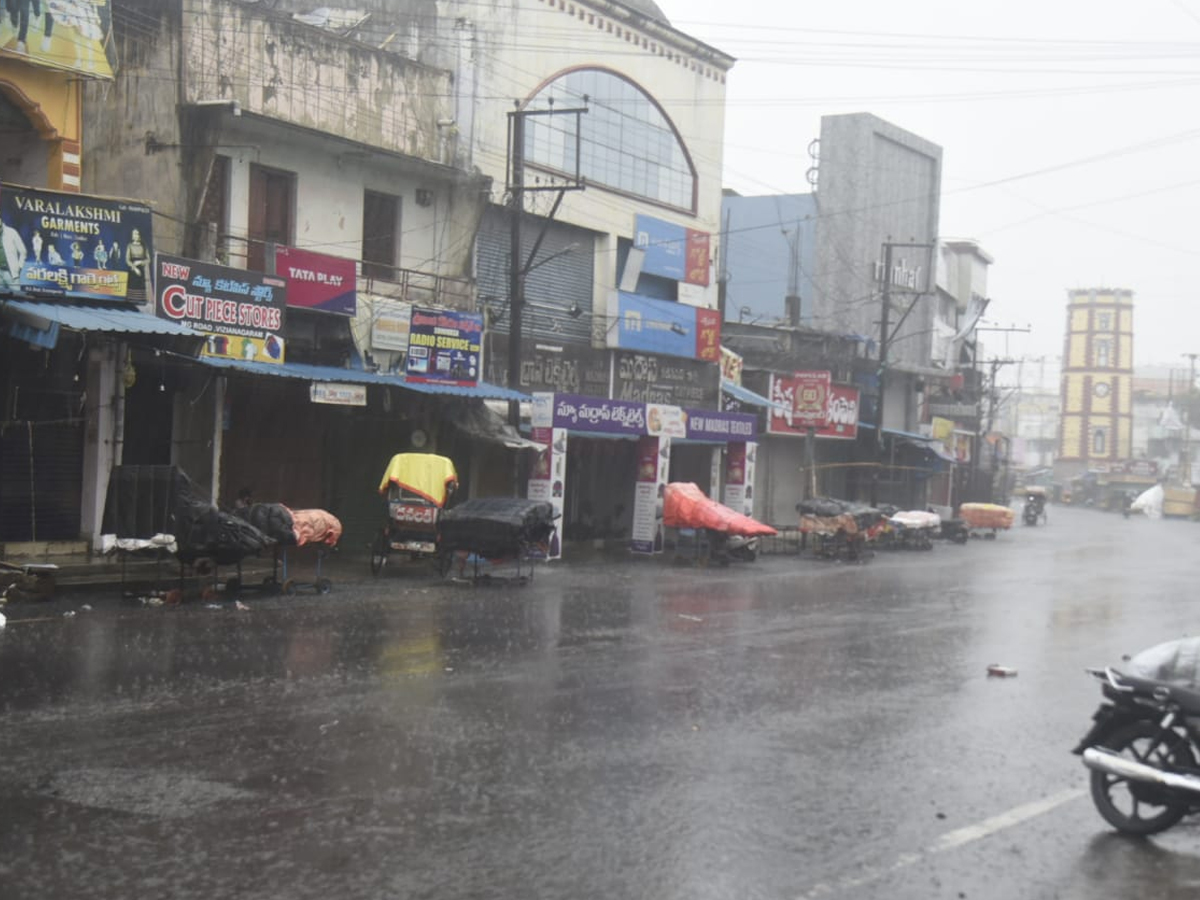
71, 245
665, 244
662, 326
444, 347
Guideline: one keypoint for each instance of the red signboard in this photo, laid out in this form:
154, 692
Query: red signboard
696, 264
838, 416
316, 281
708, 335
805, 395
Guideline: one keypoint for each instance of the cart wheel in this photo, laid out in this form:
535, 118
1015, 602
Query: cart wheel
289, 587
233, 586
323, 585
379, 552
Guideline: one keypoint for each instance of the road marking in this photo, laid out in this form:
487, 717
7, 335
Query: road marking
950, 841
1014, 816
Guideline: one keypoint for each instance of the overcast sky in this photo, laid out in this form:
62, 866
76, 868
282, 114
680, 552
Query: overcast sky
1070, 134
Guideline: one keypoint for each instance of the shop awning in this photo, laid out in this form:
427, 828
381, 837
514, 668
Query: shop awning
919, 441
937, 448
745, 395
307, 372
39, 323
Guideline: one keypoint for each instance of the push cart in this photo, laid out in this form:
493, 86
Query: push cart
496, 530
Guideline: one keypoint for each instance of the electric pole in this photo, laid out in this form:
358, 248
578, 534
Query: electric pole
517, 268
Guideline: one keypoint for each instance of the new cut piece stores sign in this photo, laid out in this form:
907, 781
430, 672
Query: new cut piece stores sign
241, 312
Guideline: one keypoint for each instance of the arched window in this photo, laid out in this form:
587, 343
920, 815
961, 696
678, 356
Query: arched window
1103, 354
1099, 442
626, 143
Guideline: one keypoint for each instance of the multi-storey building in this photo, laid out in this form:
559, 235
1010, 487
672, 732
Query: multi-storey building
1097, 381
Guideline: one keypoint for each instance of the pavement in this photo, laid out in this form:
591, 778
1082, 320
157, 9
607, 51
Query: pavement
32, 578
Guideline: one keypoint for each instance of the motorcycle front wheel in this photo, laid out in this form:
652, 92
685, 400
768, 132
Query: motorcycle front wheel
1137, 807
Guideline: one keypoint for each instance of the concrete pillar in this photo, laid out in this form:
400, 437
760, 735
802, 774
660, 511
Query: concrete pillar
104, 412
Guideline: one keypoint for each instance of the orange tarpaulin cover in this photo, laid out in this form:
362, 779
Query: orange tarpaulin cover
315, 526
986, 515
424, 474
686, 506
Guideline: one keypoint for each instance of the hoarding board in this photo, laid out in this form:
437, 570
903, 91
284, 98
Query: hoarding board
318, 282
242, 312
59, 244
444, 347
665, 327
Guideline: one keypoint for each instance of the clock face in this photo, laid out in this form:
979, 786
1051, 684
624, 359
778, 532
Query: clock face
1101, 389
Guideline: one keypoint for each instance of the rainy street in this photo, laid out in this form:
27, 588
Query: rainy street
618, 728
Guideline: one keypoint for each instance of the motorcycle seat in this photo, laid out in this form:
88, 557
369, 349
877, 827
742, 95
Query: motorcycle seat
1185, 698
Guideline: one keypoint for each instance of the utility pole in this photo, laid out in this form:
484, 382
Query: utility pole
884, 324
1185, 468
516, 278
518, 268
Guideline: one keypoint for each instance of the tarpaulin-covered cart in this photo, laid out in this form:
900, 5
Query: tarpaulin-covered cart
159, 510
288, 528
914, 529
840, 529
986, 518
495, 529
710, 529
417, 486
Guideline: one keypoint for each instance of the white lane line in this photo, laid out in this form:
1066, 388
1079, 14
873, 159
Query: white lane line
950, 841
1014, 816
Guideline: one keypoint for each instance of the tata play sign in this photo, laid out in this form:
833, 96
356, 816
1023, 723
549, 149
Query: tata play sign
841, 409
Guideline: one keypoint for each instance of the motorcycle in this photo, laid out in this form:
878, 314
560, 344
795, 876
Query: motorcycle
1035, 505
1143, 749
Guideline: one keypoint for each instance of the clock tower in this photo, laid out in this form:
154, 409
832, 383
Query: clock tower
1097, 381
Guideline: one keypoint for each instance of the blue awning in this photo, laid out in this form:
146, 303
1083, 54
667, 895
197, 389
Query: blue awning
39, 323
307, 372
745, 395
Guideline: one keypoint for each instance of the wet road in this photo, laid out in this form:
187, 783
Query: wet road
785, 729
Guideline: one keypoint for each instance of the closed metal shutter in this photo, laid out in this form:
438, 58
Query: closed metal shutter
562, 279
41, 481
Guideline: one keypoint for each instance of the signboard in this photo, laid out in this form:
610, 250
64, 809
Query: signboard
805, 398
654, 462
840, 414
599, 415
390, 324
656, 379
71, 35
731, 366
74, 245
548, 479
710, 425
338, 394
665, 421
665, 327
672, 251
555, 368
318, 282
739, 477
444, 347
242, 312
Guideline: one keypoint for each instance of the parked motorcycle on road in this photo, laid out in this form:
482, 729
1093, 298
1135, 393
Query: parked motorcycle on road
1143, 748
